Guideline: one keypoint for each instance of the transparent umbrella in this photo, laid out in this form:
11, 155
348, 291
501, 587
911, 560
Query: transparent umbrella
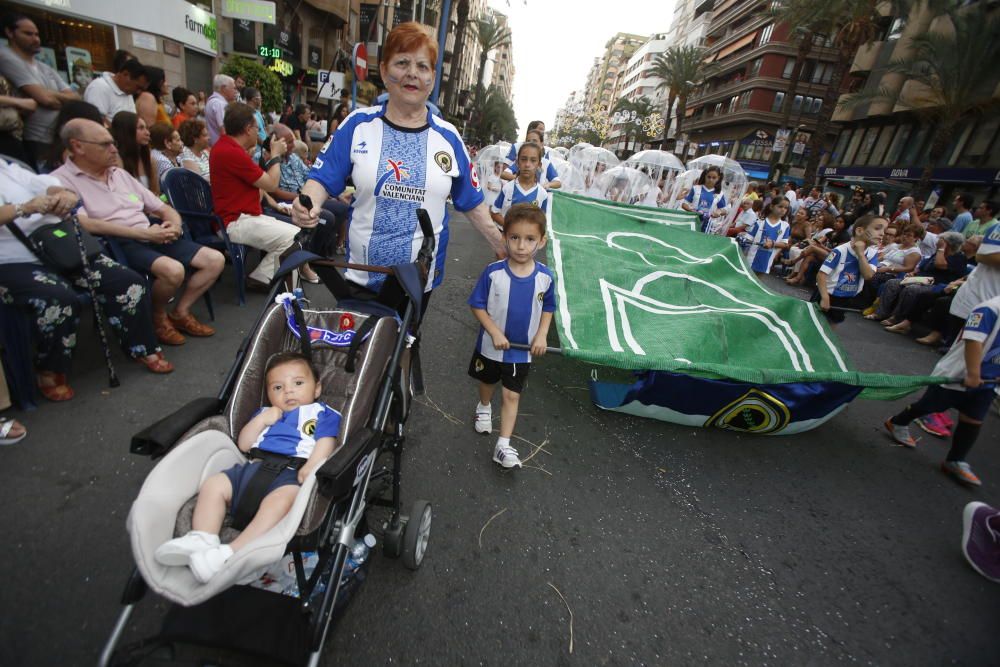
663, 168
626, 185
490, 163
734, 180
588, 164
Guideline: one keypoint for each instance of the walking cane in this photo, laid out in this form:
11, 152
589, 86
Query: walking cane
98, 310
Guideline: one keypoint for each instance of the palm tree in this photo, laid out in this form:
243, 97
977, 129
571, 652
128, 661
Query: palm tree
684, 69
641, 108
491, 34
497, 119
950, 75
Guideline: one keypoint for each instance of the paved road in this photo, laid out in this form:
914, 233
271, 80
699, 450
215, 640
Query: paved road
670, 545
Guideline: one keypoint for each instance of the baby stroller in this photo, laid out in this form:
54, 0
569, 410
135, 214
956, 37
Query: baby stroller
366, 353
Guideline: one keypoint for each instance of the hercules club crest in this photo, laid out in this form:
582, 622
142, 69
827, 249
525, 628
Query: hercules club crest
753, 412
443, 160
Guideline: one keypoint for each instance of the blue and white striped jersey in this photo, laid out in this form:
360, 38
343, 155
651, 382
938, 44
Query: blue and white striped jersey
982, 325
395, 171
843, 272
296, 433
512, 193
515, 304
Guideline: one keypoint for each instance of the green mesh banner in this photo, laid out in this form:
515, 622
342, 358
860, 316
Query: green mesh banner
639, 289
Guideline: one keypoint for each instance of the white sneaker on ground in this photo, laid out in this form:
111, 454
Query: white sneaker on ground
507, 457
178, 551
206, 564
484, 419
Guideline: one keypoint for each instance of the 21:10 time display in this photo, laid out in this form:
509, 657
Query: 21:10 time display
265, 51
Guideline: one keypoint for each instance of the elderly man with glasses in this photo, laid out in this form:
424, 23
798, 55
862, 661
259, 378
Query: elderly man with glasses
116, 205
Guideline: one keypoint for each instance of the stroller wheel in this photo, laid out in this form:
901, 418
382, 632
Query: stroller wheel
418, 532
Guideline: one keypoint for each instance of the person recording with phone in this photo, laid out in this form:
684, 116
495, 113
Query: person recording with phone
237, 183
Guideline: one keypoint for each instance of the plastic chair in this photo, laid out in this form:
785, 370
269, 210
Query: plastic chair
191, 196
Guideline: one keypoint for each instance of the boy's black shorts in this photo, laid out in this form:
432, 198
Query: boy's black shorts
489, 371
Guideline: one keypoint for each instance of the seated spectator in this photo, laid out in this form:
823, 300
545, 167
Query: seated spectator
113, 91
132, 137
35, 80
236, 185
215, 108
936, 225
194, 155
332, 229
815, 202
297, 122
116, 204
149, 104
985, 216
833, 201
165, 148
903, 255
302, 151
898, 302
32, 201
186, 104
69, 111
831, 233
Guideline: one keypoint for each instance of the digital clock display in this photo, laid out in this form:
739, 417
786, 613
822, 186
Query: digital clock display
266, 51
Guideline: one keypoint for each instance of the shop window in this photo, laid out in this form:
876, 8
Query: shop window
755, 67
779, 102
980, 140
867, 144
878, 154
897, 145
838, 150
852, 146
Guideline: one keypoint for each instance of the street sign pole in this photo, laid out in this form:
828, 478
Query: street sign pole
360, 62
442, 38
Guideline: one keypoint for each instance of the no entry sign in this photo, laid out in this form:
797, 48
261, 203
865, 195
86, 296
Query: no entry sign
360, 61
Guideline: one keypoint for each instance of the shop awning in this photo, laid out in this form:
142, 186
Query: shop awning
737, 45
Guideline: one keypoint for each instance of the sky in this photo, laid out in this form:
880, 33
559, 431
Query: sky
555, 43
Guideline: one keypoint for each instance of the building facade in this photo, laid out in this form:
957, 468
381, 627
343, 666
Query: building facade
884, 139
604, 75
502, 63
739, 107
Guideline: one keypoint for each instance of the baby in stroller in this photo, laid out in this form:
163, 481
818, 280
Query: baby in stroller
294, 425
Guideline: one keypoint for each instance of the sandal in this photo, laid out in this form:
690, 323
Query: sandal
165, 332
156, 363
7, 425
872, 316
53, 387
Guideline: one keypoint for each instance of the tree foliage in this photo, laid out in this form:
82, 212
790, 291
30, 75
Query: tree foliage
259, 77
682, 69
497, 120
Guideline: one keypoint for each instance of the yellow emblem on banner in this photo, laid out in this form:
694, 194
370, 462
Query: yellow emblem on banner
754, 412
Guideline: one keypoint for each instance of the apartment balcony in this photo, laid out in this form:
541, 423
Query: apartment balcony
339, 8
724, 92
866, 57
744, 116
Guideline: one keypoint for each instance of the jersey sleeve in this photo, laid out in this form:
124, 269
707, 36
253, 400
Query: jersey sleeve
991, 240
785, 233
327, 424
721, 202
543, 202
511, 155
549, 300
832, 260
481, 292
498, 203
689, 198
333, 166
465, 192
551, 174
980, 324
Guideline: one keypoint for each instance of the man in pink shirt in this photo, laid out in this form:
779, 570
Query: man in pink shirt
116, 204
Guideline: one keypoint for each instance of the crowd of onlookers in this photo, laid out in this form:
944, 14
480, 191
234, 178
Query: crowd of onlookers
104, 153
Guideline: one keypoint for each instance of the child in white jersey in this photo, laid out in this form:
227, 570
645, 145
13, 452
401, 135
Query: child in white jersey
295, 425
848, 266
513, 301
973, 360
525, 188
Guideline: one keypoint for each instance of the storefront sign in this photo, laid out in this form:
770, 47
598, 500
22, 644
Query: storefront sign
282, 67
283, 39
176, 19
945, 175
249, 10
315, 57
244, 37
142, 40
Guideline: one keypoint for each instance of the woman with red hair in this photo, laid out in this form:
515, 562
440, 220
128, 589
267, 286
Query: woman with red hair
400, 157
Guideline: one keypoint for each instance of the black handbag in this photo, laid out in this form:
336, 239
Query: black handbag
56, 245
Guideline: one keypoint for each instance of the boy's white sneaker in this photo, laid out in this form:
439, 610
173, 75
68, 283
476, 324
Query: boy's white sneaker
178, 551
506, 456
484, 419
206, 564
